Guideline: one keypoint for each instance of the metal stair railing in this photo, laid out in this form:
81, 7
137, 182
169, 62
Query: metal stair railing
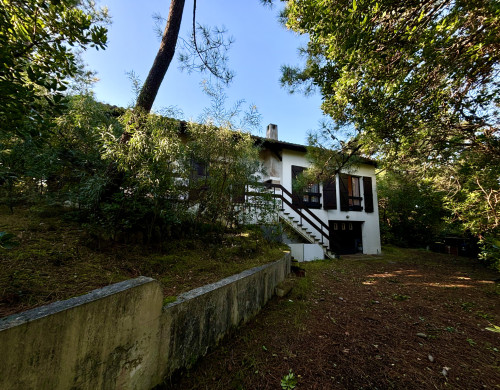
304, 213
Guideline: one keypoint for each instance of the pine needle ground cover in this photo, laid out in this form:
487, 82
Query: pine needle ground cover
49, 257
409, 319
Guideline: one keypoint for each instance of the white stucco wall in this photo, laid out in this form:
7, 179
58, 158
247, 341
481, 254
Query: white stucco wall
272, 166
370, 227
306, 252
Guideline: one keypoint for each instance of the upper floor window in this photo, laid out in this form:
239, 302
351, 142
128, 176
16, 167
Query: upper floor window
354, 193
350, 193
311, 193
306, 197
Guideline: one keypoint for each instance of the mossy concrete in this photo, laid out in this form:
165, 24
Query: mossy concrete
201, 317
102, 340
120, 336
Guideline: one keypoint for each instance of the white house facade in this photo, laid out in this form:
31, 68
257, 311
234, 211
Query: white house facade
341, 216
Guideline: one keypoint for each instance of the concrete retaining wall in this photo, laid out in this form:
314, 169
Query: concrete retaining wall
120, 336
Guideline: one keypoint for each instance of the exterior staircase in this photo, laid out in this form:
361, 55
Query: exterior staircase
301, 219
298, 217
304, 232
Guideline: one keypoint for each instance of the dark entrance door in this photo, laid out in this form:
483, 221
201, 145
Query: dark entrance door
345, 237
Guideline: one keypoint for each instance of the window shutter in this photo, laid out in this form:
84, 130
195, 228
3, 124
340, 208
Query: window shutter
329, 195
239, 193
368, 194
344, 192
296, 171
198, 170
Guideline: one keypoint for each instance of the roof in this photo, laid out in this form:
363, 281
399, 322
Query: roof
278, 146
271, 144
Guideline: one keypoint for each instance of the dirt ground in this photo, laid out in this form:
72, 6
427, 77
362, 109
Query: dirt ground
407, 320
55, 259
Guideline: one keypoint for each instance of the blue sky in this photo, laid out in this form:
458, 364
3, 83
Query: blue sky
261, 46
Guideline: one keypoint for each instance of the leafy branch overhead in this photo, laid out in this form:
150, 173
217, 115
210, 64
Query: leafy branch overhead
38, 43
418, 77
416, 85
207, 51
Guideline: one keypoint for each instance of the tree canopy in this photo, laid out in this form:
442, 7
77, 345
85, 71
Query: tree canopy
39, 40
415, 78
416, 85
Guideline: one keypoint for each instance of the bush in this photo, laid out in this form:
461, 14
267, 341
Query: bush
490, 251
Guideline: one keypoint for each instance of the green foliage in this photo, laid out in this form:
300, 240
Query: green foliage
415, 78
67, 165
400, 297
176, 174
471, 342
289, 381
411, 210
159, 196
38, 42
230, 165
169, 299
7, 240
467, 306
493, 328
147, 200
490, 251
416, 85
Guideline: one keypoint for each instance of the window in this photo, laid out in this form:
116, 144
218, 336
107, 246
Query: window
350, 193
312, 194
354, 193
308, 197
198, 170
198, 180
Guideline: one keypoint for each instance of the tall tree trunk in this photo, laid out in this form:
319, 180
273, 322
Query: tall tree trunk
161, 63
150, 89
163, 58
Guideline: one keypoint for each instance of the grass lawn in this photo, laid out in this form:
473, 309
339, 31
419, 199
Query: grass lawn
409, 319
56, 259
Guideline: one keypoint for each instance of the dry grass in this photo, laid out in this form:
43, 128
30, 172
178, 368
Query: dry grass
56, 259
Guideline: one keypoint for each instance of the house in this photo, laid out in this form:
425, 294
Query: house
340, 217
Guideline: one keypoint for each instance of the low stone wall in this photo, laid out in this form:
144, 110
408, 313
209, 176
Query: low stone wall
120, 336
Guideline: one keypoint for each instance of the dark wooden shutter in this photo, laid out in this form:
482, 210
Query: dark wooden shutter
197, 180
368, 194
344, 192
296, 171
239, 193
296, 196
329, 195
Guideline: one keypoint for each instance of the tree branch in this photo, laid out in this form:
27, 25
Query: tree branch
163, 58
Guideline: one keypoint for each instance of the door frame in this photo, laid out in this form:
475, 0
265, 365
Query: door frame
346, 237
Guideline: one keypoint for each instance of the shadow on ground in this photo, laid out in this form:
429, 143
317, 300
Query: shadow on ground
407, 320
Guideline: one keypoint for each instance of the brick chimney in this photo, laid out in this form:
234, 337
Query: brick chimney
272, 132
